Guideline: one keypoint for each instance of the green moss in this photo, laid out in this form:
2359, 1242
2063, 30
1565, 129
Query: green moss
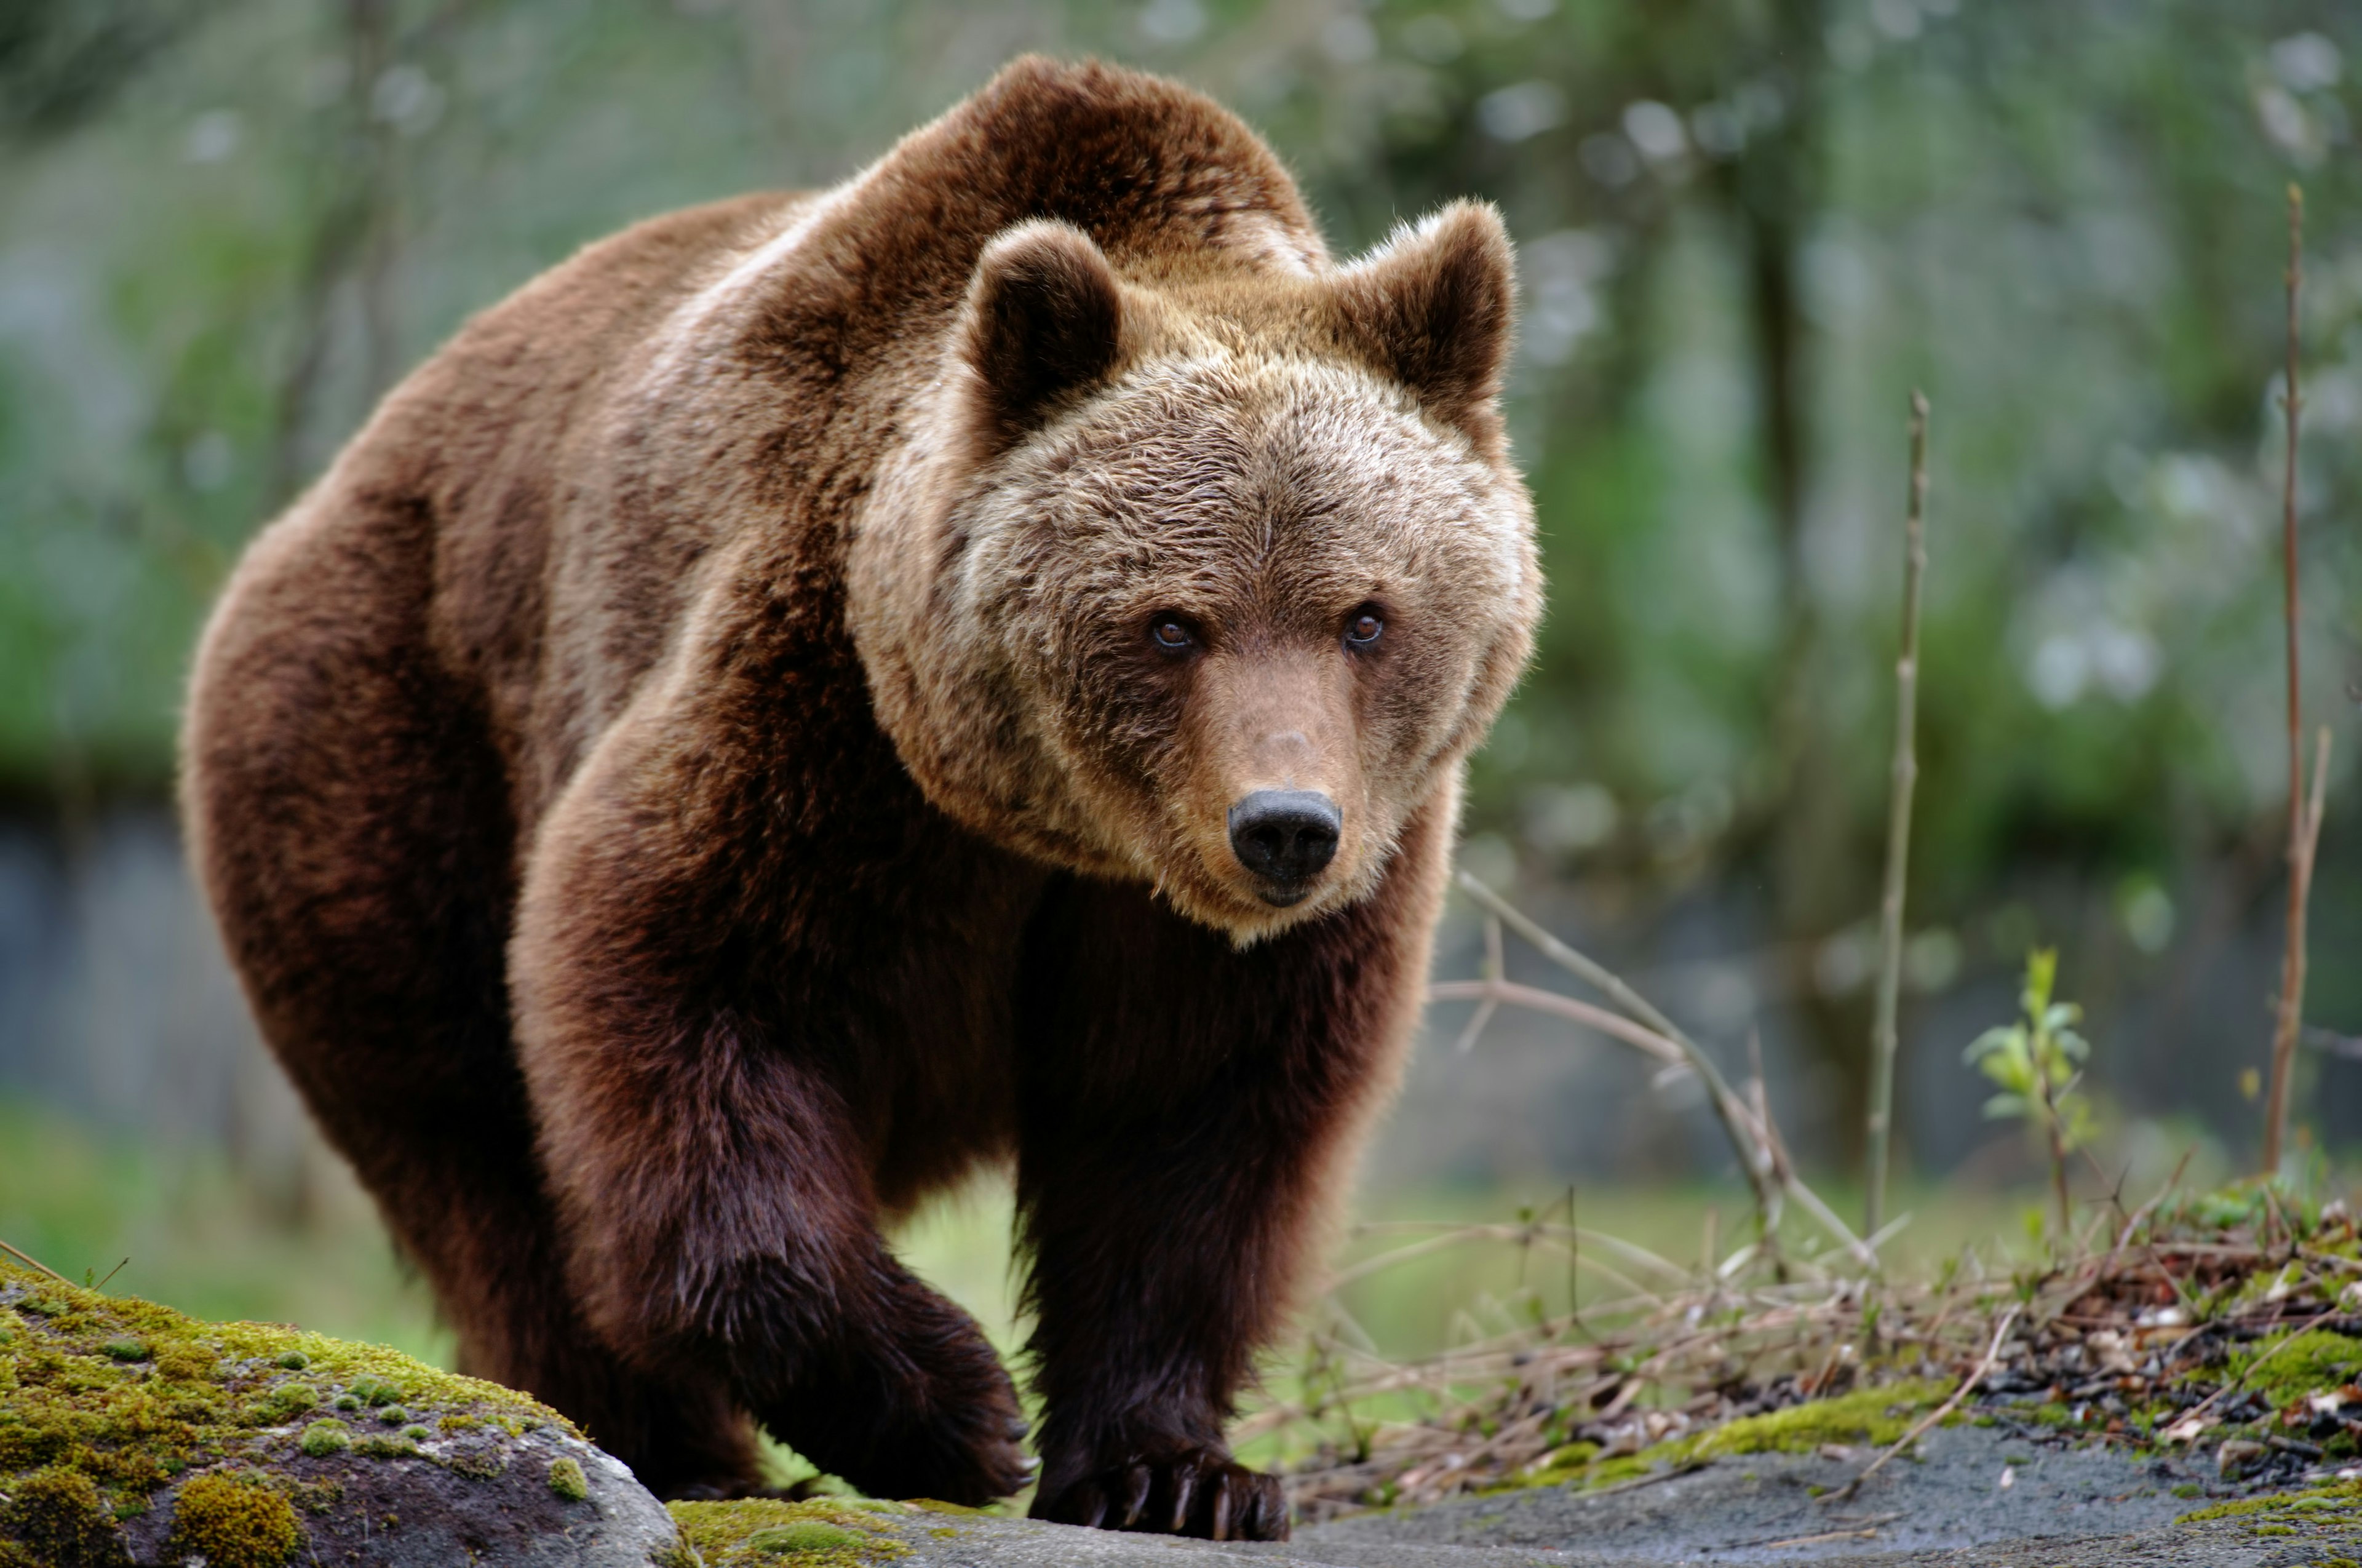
1874, 1417
2300, 1364
235, 1522
806, 1536
821, 1532
324, 1438
478, 1465
1616, 1471
565, 1479
384, 1445
373, 1390
2338, 1503
186, 1361
196, 1396
57, 1518
394, 1416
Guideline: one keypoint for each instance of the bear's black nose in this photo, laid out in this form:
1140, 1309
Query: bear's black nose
1285, 836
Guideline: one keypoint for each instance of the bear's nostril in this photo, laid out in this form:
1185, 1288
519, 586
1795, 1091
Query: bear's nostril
1284, 835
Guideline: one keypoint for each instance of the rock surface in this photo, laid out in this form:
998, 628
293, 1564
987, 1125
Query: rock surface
132, 1435
2061, 1507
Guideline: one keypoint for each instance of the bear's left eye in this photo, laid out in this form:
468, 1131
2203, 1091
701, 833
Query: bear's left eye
1170, 634
1364, 628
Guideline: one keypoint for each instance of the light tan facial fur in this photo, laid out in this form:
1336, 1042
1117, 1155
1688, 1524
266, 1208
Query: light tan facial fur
1259, 461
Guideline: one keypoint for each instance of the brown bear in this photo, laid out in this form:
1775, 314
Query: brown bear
819, 692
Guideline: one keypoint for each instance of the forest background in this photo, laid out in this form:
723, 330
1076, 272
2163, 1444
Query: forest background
1746, 229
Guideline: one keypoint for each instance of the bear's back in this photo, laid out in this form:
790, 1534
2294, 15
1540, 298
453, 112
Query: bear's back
579, 452
503, 435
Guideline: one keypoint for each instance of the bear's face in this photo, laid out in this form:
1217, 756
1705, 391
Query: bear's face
1213, 601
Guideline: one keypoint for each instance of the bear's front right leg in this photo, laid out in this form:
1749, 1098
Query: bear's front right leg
1190, 1111
693, 1055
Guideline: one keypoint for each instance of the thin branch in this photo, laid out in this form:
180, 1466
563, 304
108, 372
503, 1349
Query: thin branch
1752, 1154
1766, 1172
2331, 1043
2252, 1368
1882, 1037
1647, 1042
2000, 1331
1489, 1000
1760, 1099
31, 1262
2291, 1000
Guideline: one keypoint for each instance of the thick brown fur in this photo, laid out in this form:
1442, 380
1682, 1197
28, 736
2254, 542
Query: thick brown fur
699, 772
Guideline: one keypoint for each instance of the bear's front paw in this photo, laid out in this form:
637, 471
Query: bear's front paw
1196, 1492
925, 1411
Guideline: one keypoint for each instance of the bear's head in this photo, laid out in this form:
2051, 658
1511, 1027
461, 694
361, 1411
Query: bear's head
1206, 578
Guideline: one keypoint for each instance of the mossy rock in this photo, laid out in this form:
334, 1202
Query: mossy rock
132, 1435
818, 1532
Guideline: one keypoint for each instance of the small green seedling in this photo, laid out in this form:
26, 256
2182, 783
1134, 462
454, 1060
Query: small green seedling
2038, 1063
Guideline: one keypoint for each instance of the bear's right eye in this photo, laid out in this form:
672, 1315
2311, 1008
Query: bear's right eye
1170, 635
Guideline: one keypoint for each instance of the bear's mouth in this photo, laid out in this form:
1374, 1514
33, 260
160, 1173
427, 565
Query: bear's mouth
1284, 897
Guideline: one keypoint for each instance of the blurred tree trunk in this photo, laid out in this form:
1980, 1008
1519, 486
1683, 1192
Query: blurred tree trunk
1800, 822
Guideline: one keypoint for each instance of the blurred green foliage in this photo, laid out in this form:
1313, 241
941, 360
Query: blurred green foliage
1748, 228
182, 1226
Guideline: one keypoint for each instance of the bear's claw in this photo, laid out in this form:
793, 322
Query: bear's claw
1199, 1492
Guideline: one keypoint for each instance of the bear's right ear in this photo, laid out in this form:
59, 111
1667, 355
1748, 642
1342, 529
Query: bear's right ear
1044, 320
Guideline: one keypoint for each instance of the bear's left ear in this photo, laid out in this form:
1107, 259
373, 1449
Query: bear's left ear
1044, 321
1431, 308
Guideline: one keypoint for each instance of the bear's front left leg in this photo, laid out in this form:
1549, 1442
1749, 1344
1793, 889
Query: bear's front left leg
1189, 1114
702, 1059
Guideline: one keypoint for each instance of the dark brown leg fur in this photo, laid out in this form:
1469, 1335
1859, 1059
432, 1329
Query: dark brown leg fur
729, 1014
348, 815
1188, 1112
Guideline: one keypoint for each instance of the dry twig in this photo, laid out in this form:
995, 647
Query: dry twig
2304, 825
31, 1262
2236, 1383
1919, 1430
1490, 992
1758, 1157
